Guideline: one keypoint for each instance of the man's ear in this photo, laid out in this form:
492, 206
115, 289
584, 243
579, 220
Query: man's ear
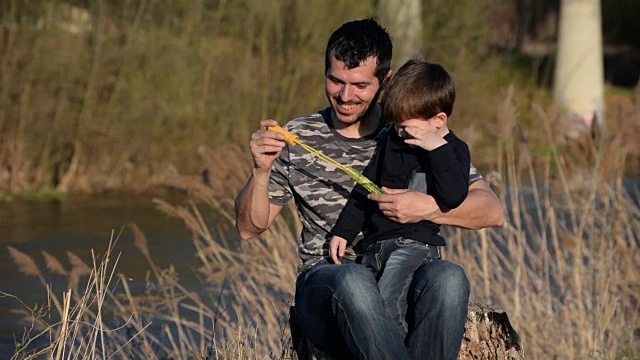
386, 79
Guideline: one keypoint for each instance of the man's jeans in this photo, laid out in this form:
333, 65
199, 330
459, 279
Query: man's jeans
340, 307
438, 302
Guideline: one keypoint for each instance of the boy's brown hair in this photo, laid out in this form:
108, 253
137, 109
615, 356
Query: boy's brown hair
418, 89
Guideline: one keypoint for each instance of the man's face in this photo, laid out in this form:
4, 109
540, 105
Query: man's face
351, 91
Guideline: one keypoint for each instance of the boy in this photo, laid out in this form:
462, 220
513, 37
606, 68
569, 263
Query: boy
420, 154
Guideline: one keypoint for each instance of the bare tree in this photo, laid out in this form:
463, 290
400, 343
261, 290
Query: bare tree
579, 73
403, 19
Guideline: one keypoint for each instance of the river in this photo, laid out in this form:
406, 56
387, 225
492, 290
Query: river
78, 225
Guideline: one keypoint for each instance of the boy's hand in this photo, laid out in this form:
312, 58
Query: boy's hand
337, 247
423, 138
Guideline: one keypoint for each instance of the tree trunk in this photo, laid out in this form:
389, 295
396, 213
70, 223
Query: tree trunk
579, 73
488, 335
403, 19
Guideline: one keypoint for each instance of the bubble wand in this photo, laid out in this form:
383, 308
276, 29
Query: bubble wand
294, 140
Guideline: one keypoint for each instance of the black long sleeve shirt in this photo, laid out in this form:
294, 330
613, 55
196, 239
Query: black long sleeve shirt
442, 173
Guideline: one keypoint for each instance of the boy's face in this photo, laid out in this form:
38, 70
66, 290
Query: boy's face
352, 91
419, 124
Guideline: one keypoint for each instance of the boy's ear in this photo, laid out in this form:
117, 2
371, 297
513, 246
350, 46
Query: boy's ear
440, 119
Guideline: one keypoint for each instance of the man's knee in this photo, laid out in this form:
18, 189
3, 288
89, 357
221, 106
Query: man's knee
356, 282
442, 278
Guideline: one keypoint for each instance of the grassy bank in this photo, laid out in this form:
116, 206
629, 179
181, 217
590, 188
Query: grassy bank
119, 95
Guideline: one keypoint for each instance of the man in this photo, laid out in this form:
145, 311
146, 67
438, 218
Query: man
339, 308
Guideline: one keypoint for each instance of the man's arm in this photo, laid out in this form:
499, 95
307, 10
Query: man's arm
254, 212
480, 209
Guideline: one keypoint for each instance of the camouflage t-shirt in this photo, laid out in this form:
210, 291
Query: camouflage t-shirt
319, 189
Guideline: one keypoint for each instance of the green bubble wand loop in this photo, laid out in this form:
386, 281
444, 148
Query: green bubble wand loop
294, 140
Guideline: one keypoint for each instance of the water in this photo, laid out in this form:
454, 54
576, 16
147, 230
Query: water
78, 225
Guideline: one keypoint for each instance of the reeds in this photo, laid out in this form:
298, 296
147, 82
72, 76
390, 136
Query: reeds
109, 95
76, 325
566, 264
565, 267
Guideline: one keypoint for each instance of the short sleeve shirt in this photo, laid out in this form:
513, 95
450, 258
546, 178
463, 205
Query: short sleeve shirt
319, 189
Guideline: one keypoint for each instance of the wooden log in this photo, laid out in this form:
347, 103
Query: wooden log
488, 335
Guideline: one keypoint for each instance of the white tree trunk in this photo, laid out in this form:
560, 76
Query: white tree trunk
403, 19
579, 73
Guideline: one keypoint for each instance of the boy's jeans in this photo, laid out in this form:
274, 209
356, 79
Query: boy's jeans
395, 261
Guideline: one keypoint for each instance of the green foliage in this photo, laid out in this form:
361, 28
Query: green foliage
46, 194
101, 95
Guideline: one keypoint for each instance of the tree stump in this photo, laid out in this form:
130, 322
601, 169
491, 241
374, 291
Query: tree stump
488, 335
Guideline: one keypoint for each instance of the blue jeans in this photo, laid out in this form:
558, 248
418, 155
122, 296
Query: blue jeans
395, 261
438, 301
414, 280
340, 310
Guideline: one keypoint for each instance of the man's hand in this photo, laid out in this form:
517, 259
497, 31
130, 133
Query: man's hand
480, 209
337, 247
405, 206
254, 212
266, 146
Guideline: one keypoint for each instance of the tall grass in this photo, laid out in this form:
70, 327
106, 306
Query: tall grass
240, 312
115, 94
566, 266
125, 98
110, 95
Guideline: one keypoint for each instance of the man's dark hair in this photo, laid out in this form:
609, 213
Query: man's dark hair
356, 41
418, 90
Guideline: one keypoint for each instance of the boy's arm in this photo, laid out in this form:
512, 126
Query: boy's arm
480, 209
449, 165
352, 216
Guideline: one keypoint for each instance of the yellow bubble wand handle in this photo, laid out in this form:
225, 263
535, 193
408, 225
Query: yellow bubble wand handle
290, 138
294, 140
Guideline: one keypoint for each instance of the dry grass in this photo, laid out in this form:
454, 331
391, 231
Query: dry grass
115, 95
111, 95
78, 325
240, 313
565, 268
